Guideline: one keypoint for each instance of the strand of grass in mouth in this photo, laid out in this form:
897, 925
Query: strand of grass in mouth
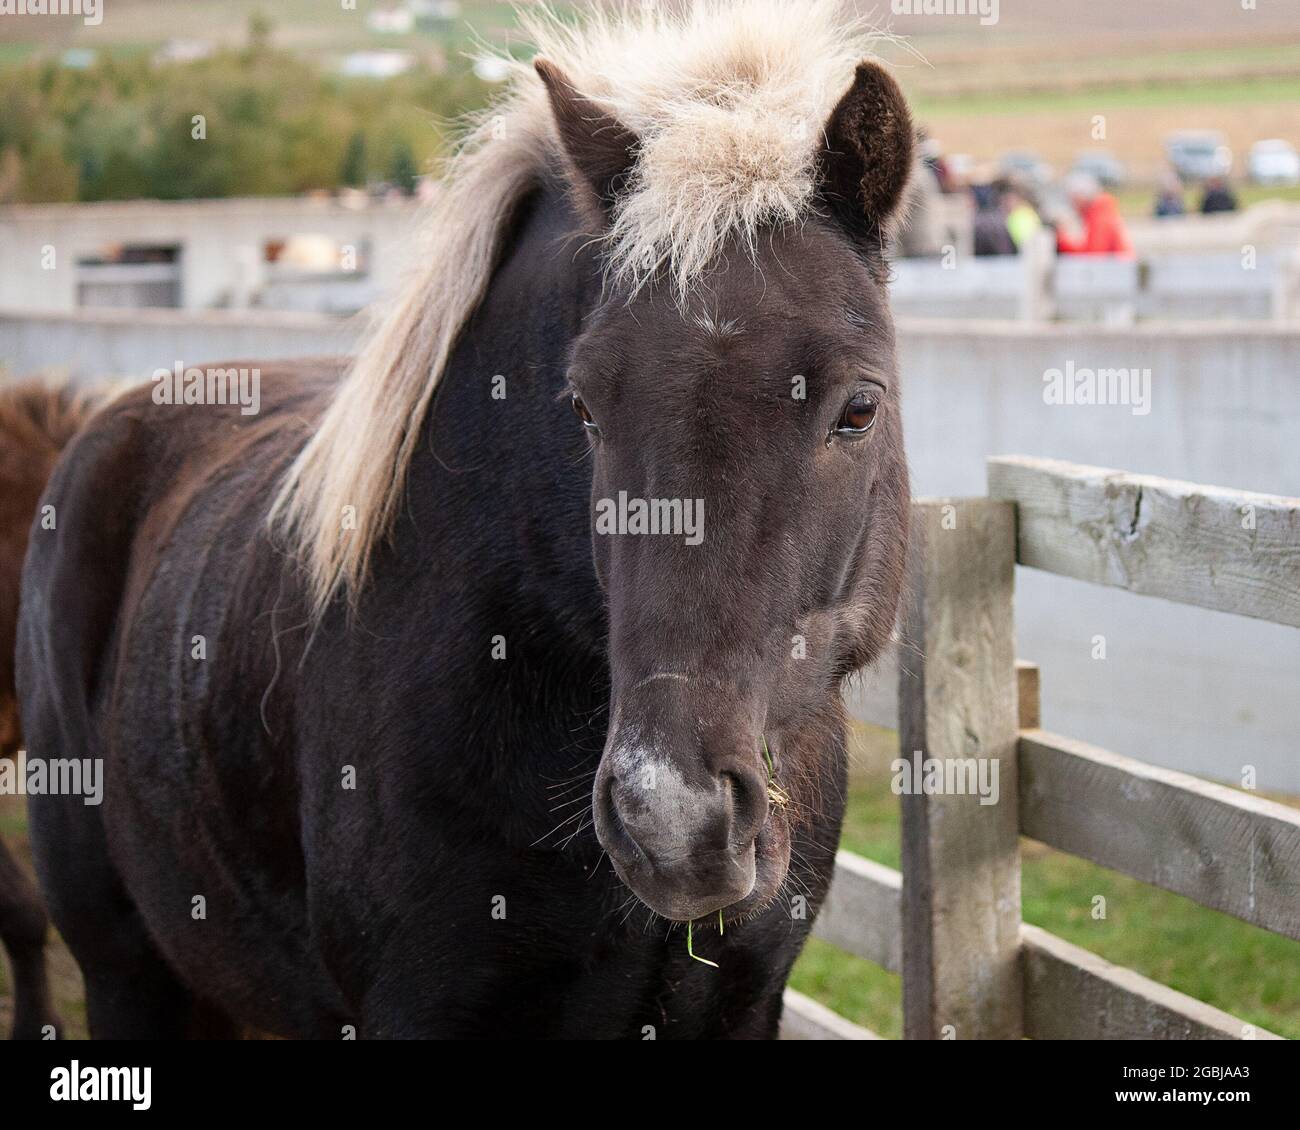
690, 945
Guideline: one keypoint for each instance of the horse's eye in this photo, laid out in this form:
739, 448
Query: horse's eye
858, 416
580, 410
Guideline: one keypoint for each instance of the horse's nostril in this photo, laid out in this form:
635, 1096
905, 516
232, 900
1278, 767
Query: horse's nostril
609, 821
746, 799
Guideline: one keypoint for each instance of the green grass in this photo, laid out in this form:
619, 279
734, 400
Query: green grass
1033, 67
863, 992
317, 28
1239, 968
1091, 100
16, 52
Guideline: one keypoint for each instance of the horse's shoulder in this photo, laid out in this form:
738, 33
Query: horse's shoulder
262, 395
146, 483
141, 462
146, 443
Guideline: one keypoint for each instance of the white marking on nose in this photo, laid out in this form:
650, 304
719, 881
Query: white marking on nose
645, 766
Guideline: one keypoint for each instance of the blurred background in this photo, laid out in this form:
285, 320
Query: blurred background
1105, 185
312, 95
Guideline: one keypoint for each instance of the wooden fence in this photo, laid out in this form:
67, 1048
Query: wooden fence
950, 921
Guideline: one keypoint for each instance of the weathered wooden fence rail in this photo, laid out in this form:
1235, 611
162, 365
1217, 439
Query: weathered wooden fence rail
950, 920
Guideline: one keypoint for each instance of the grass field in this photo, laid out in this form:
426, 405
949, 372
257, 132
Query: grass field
308, 26
1241, 969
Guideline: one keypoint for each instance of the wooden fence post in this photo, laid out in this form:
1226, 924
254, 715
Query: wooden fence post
1038, 260
1285, 299
957, 702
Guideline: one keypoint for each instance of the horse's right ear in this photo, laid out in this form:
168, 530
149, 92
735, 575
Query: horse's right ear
599, 149
865, 164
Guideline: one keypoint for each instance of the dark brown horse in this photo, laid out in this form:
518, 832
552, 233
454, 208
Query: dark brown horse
36, 422
367, 670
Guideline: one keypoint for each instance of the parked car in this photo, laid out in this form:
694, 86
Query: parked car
1197, 155
1103, 165
1273, 162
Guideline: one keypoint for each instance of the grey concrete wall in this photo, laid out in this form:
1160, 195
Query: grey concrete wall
1196, 690
1182, 285
1192, 258
93, 344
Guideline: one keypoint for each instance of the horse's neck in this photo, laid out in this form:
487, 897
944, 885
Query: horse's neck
502, 475
491, 573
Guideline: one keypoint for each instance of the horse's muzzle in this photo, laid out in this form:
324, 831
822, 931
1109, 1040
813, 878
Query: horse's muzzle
680, 831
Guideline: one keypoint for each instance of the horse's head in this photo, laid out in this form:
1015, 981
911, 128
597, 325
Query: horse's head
749, 507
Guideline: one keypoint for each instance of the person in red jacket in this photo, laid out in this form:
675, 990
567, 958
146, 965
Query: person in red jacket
1103, 227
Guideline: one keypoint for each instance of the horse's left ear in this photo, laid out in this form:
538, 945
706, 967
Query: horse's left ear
600, 149
864, 166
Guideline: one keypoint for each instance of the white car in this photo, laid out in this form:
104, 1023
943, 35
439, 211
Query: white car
1273, 162
1198, 155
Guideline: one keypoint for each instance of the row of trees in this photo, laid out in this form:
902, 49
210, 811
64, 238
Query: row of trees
272, 124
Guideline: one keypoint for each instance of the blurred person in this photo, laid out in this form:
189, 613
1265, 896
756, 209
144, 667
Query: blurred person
933, 158
1104, 232
992, 236
1023, 220
1218, 197
920, 235
983, 192
1169, 197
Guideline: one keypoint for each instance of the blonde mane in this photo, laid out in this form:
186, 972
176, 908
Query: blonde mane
727, 99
